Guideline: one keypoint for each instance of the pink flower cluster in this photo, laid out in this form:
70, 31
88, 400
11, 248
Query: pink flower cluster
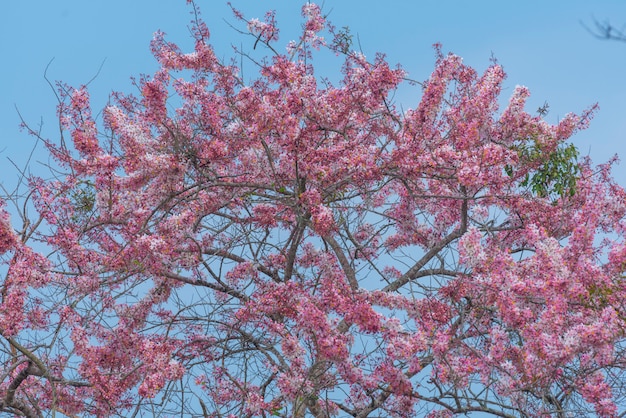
289, 246
8, 239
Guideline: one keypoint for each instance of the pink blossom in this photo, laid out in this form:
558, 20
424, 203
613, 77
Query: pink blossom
284, 245
470, 248
8, 239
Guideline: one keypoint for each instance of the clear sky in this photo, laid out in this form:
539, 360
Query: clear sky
541, 44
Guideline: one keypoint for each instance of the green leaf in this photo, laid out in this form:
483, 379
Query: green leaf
556, 176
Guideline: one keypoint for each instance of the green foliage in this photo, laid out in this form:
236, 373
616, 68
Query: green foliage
556, 177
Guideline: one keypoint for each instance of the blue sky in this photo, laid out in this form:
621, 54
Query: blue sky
540, 44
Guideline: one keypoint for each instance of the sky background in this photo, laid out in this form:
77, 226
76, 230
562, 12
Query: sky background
540, 44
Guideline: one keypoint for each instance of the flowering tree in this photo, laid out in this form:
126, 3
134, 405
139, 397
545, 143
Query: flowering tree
289, 247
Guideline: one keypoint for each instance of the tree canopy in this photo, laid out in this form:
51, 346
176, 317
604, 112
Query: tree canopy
288, 246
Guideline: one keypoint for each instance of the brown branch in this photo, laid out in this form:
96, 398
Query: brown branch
413, 272
9, 400
343, 262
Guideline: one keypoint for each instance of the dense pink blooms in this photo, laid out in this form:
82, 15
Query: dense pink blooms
285, 246
8, 239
